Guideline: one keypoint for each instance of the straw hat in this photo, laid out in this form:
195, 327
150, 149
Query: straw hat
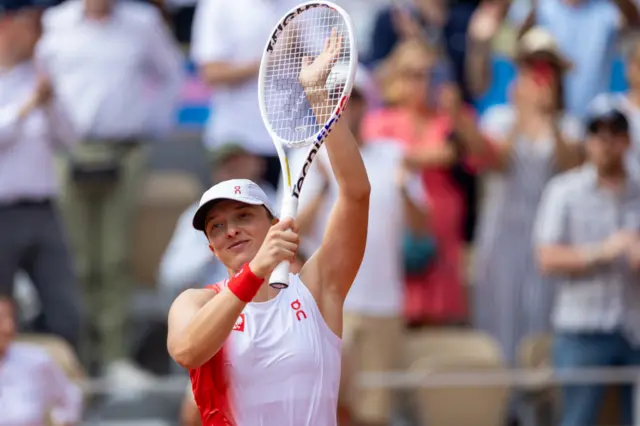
538, 41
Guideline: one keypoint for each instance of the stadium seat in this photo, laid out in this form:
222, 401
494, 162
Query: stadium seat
451, 406
454, 341
535, 352
540, 405
165, 196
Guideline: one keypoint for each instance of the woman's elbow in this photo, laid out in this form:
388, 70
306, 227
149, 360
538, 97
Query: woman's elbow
184, 355
362, 192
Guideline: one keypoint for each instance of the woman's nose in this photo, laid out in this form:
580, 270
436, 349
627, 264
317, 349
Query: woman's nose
232, 231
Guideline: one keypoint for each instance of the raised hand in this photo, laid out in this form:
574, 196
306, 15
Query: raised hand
486, 20
314, 72
280, 244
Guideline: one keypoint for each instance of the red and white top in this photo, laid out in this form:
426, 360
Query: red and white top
280, 366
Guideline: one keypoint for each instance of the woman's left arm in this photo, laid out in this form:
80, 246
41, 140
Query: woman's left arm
335, 264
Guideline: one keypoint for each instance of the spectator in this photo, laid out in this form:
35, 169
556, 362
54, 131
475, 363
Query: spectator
372, 337
227, 43
34, 389
104, 55
484, 25
533, 138
434, 140
443, 25
187, 262
587, 32
588, 238
33, 124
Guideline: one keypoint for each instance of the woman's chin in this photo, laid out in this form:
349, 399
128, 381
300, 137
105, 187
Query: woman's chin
241, 258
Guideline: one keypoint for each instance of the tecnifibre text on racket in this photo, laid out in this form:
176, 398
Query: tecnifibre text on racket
296, 71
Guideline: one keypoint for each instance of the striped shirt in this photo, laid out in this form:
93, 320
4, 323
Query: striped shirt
575, 211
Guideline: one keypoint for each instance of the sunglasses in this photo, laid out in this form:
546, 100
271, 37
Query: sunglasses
615, 125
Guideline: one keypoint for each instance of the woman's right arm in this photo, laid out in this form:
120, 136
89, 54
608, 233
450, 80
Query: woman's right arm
199, 323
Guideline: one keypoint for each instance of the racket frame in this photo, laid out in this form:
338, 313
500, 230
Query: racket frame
280, 276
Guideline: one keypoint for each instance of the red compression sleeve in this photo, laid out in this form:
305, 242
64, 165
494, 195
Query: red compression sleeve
245, 284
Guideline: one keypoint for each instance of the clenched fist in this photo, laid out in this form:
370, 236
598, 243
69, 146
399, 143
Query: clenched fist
280, 244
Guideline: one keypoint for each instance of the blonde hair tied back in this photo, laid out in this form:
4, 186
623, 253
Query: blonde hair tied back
388, 73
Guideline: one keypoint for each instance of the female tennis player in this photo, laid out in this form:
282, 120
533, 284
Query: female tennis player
259, 356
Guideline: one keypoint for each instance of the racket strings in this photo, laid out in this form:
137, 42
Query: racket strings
287, 109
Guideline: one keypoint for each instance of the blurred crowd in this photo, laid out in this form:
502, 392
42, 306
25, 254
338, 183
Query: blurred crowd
501, 139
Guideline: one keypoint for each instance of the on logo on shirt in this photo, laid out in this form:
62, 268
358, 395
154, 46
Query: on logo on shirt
239, 323
297, 307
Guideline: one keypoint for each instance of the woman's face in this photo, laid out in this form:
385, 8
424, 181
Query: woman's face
538, 84
236, 231
413, 78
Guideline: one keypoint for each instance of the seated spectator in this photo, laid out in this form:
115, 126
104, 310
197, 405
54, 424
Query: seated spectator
588, 238
436, 140
35, 390
533, 139
187, 262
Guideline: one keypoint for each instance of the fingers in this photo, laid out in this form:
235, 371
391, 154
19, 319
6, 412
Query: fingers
284, 250
294, 226
333, 44
283, 224
289, 247
287, 235
288, 223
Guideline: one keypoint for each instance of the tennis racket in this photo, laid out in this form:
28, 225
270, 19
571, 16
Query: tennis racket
307, 42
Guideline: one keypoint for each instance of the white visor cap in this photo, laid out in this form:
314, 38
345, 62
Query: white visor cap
240, 190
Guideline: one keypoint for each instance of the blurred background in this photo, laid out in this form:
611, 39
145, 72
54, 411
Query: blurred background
115, 115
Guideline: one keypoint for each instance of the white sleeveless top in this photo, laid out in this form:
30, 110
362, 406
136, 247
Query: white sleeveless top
285, 362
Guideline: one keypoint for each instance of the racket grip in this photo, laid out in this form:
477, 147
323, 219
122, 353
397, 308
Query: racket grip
280, 276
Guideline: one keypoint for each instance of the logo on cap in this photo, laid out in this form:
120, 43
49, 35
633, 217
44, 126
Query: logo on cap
236, 190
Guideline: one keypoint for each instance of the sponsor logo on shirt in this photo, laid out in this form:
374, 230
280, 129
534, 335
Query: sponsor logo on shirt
239, 323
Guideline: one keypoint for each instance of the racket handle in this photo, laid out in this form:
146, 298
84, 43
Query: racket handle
280, 276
